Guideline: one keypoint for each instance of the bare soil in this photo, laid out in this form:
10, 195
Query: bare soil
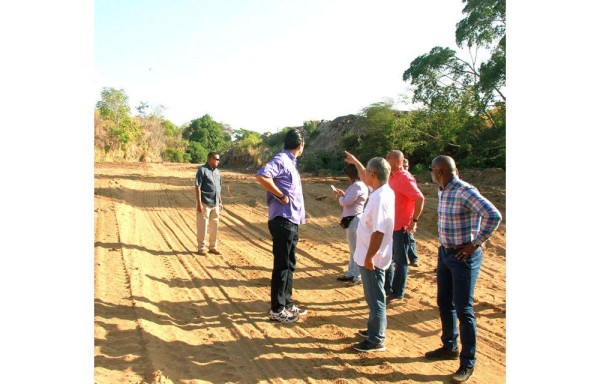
164, 314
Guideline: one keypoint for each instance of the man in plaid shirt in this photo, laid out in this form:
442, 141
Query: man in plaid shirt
466, 220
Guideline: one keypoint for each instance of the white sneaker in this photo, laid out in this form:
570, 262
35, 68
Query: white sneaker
283, 317
297, 311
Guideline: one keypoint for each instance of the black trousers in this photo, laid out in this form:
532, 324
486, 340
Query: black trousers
285, 238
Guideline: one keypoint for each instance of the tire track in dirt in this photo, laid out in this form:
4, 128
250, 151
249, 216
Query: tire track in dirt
324, 267
241, 332
130, 341
163, 226
212, 297
205, 310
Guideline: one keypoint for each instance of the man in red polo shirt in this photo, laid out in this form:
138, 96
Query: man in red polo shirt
409, 205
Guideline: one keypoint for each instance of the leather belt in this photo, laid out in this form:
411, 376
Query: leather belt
456, 247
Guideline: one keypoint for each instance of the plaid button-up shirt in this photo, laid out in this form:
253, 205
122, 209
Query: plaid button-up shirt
464, 215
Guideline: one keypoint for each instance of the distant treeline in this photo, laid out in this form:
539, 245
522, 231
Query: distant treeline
462, 113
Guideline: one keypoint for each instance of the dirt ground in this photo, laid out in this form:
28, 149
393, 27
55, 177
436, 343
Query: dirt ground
164, 314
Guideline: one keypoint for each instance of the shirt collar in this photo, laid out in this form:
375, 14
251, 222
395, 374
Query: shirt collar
289, 154
451, 184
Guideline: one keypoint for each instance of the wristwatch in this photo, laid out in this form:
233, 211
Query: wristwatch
415, 220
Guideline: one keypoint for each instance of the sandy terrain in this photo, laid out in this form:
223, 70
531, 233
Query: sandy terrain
166, 315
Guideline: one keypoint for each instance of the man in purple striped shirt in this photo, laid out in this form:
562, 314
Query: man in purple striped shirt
281, 179
466, 220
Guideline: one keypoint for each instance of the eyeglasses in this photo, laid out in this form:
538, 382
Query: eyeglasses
217, 158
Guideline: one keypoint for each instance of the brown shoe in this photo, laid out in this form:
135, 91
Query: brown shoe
214, 252
201, 252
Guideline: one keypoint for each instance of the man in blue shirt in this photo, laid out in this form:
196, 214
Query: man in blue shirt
208, 204
281, 179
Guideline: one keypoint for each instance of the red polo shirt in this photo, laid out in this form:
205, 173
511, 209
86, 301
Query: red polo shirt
405, 188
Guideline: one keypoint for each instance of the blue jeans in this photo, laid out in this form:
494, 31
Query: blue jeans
353, 270
395, 275
455, 286
412, 249
375, 297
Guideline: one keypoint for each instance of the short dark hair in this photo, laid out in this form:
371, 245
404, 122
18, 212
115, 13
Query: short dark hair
293, 138
211, 155
351, 171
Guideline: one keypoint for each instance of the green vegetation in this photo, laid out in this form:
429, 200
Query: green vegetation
462, 113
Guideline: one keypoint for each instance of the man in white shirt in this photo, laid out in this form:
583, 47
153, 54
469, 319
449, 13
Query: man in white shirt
374, 244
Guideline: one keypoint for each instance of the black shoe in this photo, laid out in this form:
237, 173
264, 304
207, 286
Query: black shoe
364, 334
463, 374
344, 278
391, 299
414, 264
442, 354
367, 346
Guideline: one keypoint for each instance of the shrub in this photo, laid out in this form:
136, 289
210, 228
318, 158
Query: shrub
322, 159
197, 152
175, 155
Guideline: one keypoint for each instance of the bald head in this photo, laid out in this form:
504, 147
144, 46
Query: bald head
446, 164
443, 169
395, 158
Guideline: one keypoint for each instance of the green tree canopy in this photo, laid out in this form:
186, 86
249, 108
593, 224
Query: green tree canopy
442, 78
197, 153
208, 133
464, 107
246, 139
114, 106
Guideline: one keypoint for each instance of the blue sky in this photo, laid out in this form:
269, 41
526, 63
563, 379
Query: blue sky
264, 65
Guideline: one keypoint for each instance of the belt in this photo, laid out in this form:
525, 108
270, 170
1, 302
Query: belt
456, 247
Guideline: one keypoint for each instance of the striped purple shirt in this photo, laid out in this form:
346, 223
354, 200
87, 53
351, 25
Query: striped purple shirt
464, 215
282, 169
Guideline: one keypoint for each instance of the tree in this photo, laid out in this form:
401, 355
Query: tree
380, 134
153, 131
114, 106
142, 108
197, 153
245, 138
206, 132
442, 77
462, 94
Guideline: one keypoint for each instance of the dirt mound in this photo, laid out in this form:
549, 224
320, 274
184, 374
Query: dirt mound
330, 134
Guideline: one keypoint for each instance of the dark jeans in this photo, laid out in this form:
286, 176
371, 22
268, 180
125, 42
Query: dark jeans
285, 238
455, 286
412, 250
395, 275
